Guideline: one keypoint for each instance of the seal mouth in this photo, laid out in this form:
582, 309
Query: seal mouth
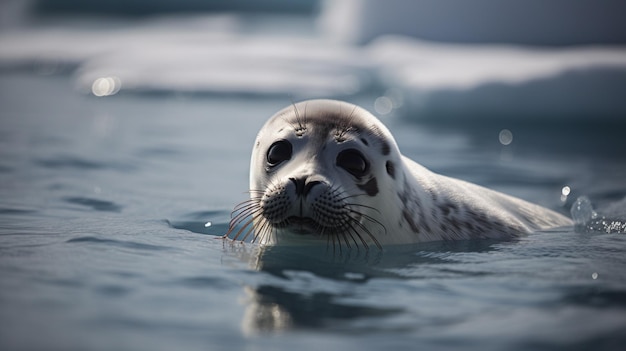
301, 225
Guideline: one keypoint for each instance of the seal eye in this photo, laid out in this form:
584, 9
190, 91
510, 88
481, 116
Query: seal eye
279, 151
353, 161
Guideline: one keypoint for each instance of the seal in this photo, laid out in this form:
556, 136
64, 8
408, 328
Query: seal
329, 171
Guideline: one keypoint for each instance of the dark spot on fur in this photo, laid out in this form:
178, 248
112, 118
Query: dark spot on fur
386, 149
447, 208
423, 221
456, 224
371, 187
391, 169
409, 219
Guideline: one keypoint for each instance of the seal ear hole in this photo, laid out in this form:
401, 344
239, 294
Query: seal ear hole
278, 152
353, 162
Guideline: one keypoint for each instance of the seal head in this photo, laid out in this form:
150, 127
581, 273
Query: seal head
316, 168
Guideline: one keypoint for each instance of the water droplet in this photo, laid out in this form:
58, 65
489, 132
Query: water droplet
582, 211
566, 190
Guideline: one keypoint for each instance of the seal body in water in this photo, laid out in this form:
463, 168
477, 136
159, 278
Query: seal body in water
329, 171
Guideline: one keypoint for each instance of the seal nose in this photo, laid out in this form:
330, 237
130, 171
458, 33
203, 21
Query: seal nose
302, 186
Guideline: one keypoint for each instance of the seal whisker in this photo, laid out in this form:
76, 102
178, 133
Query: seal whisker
301, 122
243, 208
356, 204
339, 244
351, 204
243, 211
344, 198
356, 244
246, 224
262, 230
254, 229
245, 202
242, 215
344, 125
259, 192
262, 226
369, 218
353, 229
250, 230
345, 239
269, 228
344, 236
259, 229
328, 238
369, 233
333, 239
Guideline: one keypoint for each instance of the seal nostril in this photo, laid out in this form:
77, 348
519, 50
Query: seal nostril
299, 183
310, 185
302, 186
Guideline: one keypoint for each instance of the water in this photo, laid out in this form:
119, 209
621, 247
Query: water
104, 243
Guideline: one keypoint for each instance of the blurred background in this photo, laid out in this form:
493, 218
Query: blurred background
125, 137
426, 59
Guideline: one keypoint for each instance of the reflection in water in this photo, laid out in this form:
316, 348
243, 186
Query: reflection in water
310, 288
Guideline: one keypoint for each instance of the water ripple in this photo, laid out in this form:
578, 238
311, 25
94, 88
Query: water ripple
158, 152
72, 162
593, 297
207, 282
117, 243
202, 222
113, 290
15, 211
94, 204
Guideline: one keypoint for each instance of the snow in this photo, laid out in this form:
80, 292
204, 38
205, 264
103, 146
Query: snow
527, 22
219, 54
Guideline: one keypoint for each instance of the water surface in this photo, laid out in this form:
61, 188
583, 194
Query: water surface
111, 211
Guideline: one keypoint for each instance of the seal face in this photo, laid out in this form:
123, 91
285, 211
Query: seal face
325, 170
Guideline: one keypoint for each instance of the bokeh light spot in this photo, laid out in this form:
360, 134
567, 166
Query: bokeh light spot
383, 105
106, 86
505, 137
